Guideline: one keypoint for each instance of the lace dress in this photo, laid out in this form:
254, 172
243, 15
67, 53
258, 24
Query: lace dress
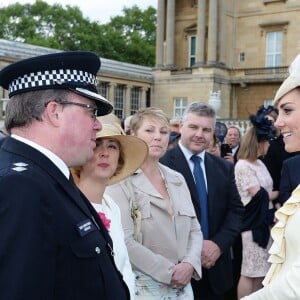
247, 175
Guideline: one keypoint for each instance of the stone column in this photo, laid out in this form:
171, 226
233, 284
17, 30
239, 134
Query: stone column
222, 30
111, 92
170, 33
212, 32
127, 101
143, 97
160, 26
201, 14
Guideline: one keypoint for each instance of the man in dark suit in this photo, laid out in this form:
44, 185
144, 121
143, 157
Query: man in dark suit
224, 206
53, 244
233, 139
290, 177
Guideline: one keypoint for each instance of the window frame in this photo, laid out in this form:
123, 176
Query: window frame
178, 109
192, 47
273, 55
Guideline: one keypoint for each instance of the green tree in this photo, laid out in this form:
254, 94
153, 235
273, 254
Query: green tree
135, 35
129, 38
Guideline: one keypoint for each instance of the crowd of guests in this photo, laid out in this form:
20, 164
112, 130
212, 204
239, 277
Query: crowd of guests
147, 209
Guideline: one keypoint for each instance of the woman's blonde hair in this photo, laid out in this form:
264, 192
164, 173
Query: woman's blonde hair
148, 112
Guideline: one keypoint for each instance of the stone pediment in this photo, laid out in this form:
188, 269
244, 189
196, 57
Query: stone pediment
190, 29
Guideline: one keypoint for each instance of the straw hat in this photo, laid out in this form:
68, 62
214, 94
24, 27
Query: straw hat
134, 150
291, 82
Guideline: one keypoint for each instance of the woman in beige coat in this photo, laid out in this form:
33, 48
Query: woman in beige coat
168, 253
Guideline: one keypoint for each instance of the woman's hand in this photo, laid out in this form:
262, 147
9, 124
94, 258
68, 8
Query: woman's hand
182, 274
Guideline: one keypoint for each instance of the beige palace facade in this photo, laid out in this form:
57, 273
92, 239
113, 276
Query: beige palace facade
238, 47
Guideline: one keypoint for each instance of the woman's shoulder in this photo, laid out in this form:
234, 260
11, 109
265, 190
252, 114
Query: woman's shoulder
244, 165
110, 203
170, 172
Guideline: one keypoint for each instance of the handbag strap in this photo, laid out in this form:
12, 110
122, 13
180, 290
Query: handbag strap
135, 213
132, 203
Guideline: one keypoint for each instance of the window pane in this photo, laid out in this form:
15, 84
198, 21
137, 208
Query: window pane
119, 101
273, 49
192, 50
103, 89
179, 106
135, 99
193, 45
193, 61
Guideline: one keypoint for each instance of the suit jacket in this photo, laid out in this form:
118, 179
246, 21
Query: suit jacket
274, 159
53, 244
290, 177
165, 240
235, 155
225, 209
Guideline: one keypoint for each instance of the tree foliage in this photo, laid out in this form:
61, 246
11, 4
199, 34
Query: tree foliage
129, 38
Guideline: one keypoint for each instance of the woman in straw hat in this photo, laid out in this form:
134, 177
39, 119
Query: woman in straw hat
283, 277
116, 156
165, 250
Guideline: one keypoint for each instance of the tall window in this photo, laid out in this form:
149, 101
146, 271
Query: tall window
273, 48
192, 50
179, 106
119, 101
103, 89
268, 102
135, 98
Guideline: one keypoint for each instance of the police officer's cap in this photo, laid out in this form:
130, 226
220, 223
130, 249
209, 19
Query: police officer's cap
72, 70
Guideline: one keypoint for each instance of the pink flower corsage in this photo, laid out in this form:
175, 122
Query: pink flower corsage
105, 221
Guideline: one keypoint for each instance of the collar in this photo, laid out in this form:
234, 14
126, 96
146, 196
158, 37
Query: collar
188, 154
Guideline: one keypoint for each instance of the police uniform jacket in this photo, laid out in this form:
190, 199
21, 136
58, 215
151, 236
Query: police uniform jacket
53, 244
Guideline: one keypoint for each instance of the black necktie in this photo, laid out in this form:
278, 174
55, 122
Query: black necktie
202, 194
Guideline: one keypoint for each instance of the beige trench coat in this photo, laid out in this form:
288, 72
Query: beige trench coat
167, 240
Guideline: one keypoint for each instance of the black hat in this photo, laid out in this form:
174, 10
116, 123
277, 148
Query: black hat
264, 127
72, 70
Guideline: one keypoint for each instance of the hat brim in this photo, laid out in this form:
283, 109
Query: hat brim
134, 152
103, 105
288, 85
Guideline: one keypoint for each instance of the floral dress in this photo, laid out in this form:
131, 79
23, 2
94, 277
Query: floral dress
250, 174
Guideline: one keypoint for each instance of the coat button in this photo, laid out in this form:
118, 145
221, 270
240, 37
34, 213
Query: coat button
97, 250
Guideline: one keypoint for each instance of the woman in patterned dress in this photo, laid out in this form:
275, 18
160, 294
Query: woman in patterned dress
255, 185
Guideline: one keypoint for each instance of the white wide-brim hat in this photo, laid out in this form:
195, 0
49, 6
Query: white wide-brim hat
290, 82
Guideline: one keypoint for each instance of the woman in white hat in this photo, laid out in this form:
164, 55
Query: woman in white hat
165, 245
283, 278
116, 156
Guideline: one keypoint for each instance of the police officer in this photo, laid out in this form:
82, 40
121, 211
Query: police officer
53, 244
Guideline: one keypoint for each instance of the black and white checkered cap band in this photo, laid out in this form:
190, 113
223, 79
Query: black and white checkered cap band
51, 78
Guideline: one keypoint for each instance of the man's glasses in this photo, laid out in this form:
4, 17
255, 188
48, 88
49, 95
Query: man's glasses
92, 108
